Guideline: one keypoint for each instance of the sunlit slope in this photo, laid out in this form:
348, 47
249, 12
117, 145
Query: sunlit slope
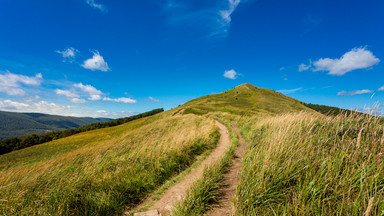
245, 99
101, 171
305, 164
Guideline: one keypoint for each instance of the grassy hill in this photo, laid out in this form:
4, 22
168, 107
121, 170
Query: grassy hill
297, 161
101, 171
20, 124
245, 99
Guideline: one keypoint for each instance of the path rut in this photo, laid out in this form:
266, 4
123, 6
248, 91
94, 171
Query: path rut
227, 192
178, 191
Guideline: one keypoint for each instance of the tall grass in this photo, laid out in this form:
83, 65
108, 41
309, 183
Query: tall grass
205, 190
101, 171
305, 164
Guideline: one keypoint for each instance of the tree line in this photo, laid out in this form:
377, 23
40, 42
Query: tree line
328, 110
16, 143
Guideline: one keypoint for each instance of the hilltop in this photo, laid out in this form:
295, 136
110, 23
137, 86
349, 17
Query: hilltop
245, 99
245, 151
14, 124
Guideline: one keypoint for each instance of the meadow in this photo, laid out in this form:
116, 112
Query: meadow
306, 164
298, 161
101, 171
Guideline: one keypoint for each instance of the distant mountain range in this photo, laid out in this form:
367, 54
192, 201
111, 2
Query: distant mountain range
14, 124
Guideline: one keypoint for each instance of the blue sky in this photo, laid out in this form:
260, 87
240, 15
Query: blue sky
115, 58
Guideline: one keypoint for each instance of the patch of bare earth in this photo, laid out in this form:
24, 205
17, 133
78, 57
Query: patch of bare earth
227, 192
178, 191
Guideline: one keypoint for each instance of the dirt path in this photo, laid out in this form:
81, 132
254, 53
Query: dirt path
177, 192
225, 205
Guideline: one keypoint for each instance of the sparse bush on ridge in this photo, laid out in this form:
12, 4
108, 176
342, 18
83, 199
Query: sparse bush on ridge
328, 110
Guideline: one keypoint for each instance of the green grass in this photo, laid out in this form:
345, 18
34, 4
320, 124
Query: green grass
13, 124
298, 161
205, 191
101, 172
245, 100
157, 194
302, 164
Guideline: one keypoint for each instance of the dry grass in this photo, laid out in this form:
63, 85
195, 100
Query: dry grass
99, 172
204, 191
305, 164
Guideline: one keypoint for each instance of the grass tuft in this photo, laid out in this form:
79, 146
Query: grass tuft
305, 164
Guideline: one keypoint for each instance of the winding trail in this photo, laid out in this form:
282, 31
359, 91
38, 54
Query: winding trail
178, 191
225, 204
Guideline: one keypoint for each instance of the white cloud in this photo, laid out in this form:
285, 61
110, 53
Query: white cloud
12, 105
67, 93
39, 107
357, 58
93, 93
355, 92
11, 84
77, 100
226, 14
289, 91
72, 96
381, 88
51, 108
96, 63
304, 67
107, 114
122, 100
212, 18
153, 99
93, 4
68, 54
230, 74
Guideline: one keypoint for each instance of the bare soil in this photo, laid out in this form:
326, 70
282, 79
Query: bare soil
227, 193
177, 192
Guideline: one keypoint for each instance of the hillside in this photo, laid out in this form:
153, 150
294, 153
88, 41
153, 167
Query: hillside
245, 99
283, 158
101, 171
20, 124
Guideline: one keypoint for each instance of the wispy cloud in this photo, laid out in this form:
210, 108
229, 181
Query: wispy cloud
108, 114
153, 99
39, 107
93, 4
312, 24
355, 92
304, 67
357, 58
93, 93
11, 83
97, 62
72, 96
226, 14
381, 88
120, 100
289, 91
68, 54
12, 105
230, 74
212, 17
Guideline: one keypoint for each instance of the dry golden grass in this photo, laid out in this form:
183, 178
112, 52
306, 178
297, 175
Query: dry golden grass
102, 170
306, 164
